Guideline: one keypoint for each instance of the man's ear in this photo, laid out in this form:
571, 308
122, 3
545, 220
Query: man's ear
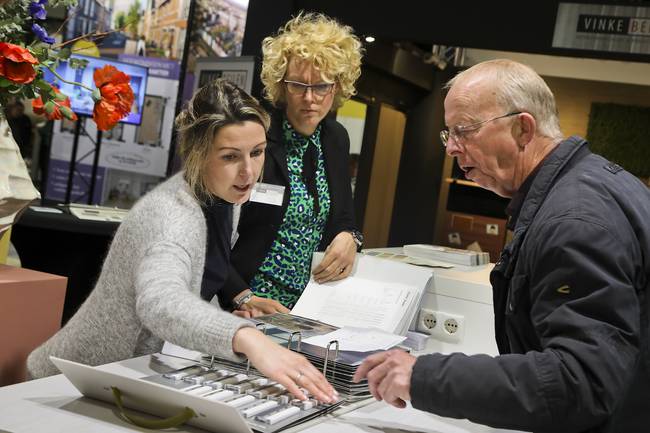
524, 129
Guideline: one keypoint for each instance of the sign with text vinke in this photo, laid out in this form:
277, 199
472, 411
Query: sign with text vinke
624, 29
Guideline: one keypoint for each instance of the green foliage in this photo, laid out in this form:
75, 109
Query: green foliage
67, 113
76, 63
621, 133
133, 18
42, 53
120, 20
65, 53
42, 85
12, 14
66, 3
49, 107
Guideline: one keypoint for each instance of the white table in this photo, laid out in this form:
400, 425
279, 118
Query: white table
54, 405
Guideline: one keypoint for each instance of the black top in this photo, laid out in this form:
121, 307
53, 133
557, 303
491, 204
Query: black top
218, 216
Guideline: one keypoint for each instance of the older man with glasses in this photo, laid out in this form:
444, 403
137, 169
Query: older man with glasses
570, 290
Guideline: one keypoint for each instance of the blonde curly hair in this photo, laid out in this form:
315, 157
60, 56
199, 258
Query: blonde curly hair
331, 47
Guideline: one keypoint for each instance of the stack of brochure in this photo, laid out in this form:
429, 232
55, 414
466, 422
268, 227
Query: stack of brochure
97, 213
390, 255
447, 254
362, 303
335, 360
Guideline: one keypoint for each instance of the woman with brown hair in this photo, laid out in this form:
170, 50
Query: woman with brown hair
175, 240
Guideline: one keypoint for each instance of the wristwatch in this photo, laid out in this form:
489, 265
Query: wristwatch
357, 236
242, 299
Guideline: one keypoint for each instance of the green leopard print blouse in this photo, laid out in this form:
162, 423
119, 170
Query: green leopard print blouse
285, 271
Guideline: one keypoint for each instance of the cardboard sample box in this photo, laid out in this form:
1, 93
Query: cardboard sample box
31, 305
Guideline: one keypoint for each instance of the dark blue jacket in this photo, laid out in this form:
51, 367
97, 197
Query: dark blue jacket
571, 310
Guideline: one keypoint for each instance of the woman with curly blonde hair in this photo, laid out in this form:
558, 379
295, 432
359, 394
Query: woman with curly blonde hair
309, 70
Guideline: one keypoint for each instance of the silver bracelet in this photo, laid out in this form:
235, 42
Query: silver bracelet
238, 302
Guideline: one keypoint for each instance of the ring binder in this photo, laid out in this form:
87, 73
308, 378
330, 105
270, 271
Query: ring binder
263, 326
257, 326
290, 340
327, 356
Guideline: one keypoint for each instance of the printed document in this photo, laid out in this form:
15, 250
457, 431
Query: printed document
361, 303
357, 339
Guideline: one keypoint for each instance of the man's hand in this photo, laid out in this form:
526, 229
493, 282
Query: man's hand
338, 260
389, 376
258, 306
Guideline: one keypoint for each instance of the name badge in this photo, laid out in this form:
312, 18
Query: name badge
268, 194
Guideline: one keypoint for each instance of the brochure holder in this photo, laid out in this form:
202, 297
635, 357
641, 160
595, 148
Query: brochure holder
218, 399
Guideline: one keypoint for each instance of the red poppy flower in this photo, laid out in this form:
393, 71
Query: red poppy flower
116, 97
16, 63
55, 109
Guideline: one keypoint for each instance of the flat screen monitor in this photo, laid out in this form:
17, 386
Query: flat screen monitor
81, 101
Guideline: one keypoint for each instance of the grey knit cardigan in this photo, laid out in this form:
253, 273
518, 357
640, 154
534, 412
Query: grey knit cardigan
148, 290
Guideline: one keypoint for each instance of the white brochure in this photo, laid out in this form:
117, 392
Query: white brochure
357, 339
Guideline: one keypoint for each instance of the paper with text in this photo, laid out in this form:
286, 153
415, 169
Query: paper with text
358, 302
357, 339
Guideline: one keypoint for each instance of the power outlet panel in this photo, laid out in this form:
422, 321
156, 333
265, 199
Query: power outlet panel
441, 325
427, 321
492, 229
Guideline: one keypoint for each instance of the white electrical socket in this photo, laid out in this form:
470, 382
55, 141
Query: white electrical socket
427, 321
441, 325
451, 327
492, 229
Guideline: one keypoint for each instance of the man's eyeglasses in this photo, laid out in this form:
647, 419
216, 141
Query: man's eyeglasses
460, 132
298, 88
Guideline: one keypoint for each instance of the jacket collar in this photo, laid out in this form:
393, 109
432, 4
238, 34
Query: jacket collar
550, 169
278, 150
276, 147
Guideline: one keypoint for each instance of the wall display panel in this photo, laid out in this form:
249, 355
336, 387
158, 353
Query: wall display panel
153, 28
217, 31
153, 34
352, 115
139, 149
238, 70
122, 188
218, 28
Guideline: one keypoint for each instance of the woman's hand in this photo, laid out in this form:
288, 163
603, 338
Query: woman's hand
338, 260
258, 306
282, 365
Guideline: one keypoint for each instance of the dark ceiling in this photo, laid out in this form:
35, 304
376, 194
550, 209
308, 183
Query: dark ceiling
520, 27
